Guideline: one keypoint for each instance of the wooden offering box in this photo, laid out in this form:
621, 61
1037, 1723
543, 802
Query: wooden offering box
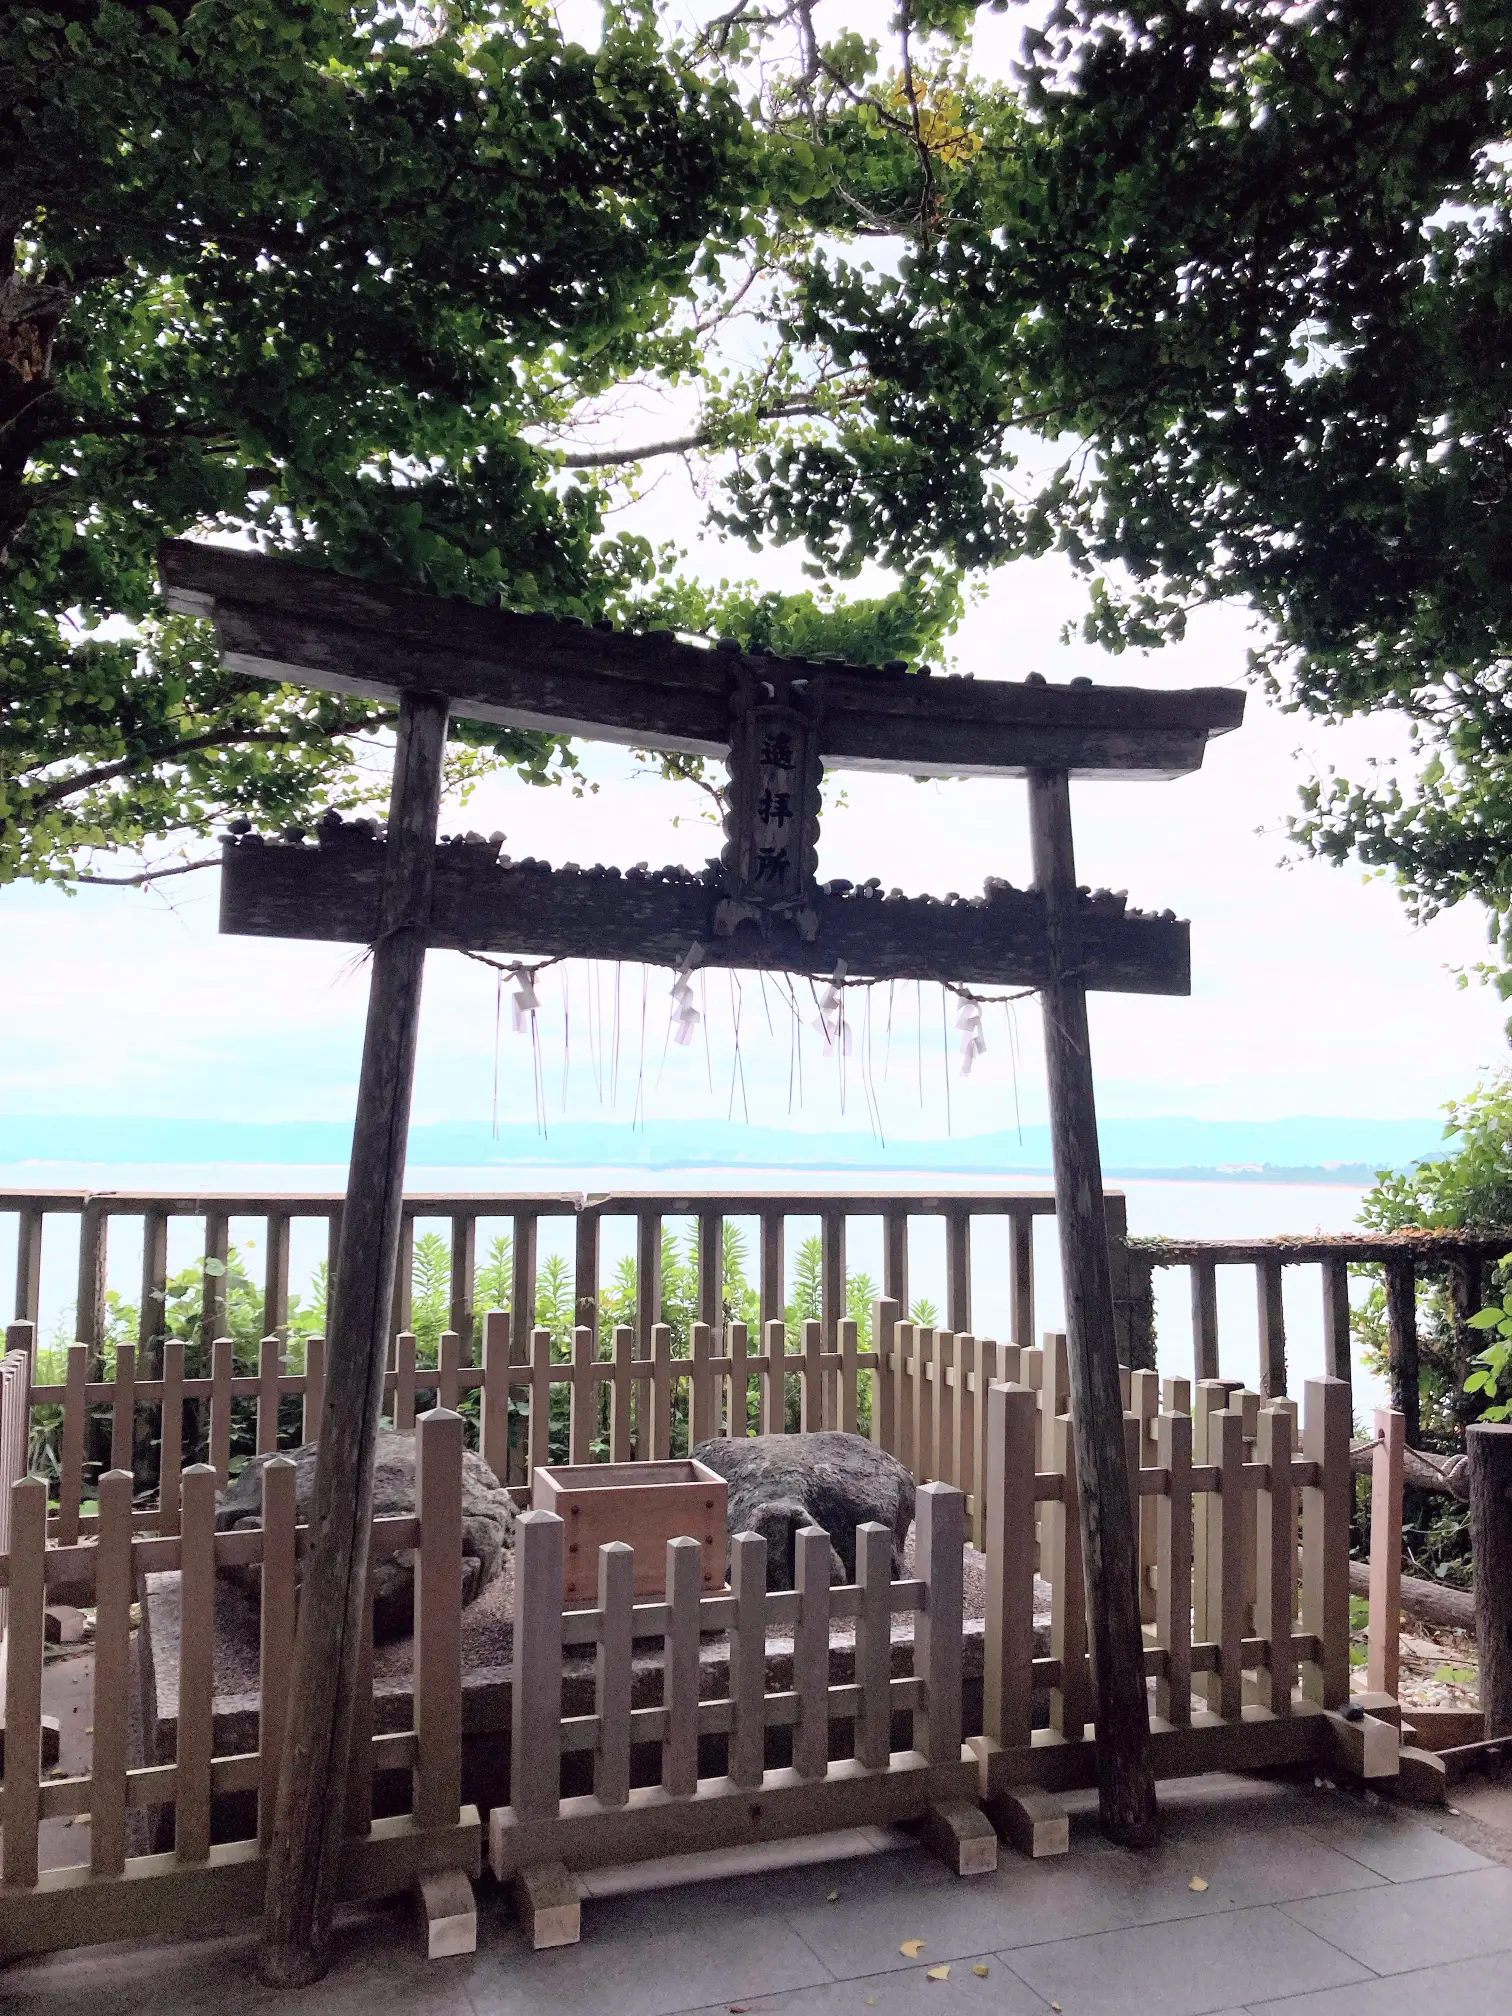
643, 1504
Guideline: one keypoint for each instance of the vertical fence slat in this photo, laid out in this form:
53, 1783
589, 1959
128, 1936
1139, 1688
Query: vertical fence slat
404, 1380
585, 1269
523, 1256
661, 1391
112, 1668
811, 1654
314, 1392
874, 1544
401, 1309
958, 1268
773, 1279
213, 1295
939, 1540
89, 1312
1173, 1569
1325, 1539
738, 1340
71, 1447
275, 1314
464, 1267
222, 1370
1384, 1665
884, 1378
1204, 1320
1402, 1342
1276, 1560
493, 1411
359, 1791
1146, 1405
1337, 1360
711, 1270
945, 1406
1070, 1703
1271, 1304
832, 1274
171, 1434
1008, 1495
895, 1257
196, 1703
905, 1412
20, 1798
276, 1628
621, 1445
613, 1672
680, 1668
438, 1619
154, 1282
926, 1457
703, 1411
850, 1377
1212, 1399
535, 1760
540, 1401
123, 1408
811, 1399
748, 1659
774, 1384
1230, 1509
269, 1366
1021, 1278
584, 1395
29, 1265
448, 1364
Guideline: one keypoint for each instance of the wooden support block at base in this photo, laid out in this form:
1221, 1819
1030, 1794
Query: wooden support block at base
450, 1914
546, 1898
1362, 1744
962, 1836
1030, 1820
1421, 1777
62, 1624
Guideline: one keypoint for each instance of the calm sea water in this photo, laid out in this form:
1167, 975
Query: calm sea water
1212, 1209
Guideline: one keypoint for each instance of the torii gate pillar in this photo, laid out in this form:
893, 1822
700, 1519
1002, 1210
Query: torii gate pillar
310, 1824
1125, 1782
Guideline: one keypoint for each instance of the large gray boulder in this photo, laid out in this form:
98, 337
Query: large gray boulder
781, 1483
487, 1523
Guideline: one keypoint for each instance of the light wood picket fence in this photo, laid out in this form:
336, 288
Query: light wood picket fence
118, 1894
541, 1838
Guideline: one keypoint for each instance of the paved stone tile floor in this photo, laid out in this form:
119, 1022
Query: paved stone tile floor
1316, 1902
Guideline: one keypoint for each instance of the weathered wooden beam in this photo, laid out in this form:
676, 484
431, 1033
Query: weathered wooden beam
309, 1831
333, 891
278, 620
1125, 1780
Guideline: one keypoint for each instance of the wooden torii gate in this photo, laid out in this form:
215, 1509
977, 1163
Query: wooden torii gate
780, 723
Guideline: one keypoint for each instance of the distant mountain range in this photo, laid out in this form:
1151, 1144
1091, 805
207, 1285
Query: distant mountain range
1307, 1146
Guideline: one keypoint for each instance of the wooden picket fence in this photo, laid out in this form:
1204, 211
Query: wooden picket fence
200, 1883
1244, 1532
541, 1837
623, 1406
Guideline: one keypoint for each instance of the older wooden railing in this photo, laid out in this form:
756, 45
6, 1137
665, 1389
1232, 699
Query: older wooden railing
1405, 1259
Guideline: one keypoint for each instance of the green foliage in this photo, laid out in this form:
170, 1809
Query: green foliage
1492, 1376
345, 280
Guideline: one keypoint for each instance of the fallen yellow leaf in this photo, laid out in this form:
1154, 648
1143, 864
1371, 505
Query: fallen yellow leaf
832, 1897
871, 2001
911, 1948
937, 1973
980, 1970
1198, 1883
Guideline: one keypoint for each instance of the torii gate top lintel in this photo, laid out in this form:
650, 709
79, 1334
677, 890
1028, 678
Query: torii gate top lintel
277, 619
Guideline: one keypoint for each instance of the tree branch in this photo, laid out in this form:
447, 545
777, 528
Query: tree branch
683, 444
215, 738
147, 876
